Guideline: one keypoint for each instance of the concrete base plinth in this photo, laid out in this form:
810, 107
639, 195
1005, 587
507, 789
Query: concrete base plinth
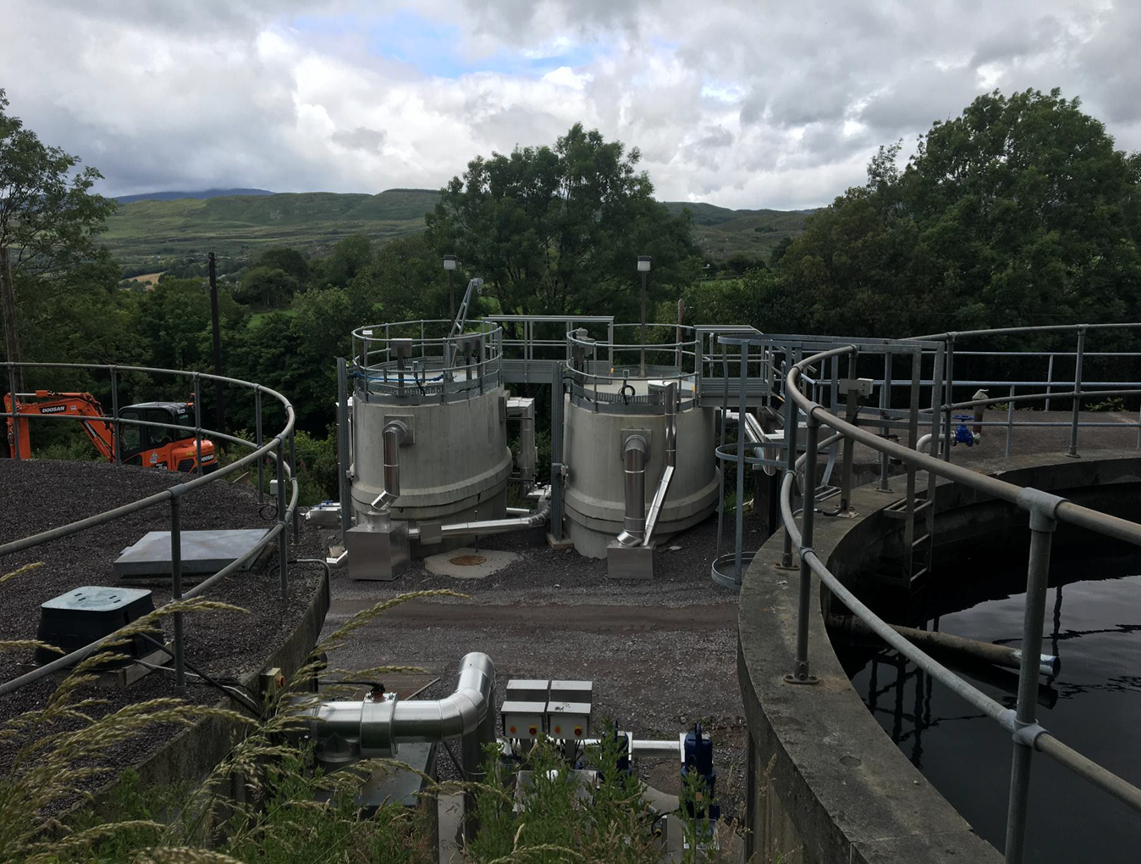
467, 563
629, 562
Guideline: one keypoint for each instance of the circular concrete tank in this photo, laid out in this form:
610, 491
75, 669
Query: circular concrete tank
610, 400
447, 396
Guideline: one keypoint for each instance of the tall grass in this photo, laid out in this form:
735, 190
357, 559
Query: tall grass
265, 803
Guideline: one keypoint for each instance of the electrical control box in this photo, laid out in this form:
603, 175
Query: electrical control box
569, 709
524, 709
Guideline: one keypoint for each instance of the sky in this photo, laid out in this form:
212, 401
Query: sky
741, 104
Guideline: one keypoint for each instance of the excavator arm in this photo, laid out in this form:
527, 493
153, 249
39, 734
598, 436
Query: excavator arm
82, 406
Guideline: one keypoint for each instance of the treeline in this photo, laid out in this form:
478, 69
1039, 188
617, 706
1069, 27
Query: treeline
1019, 212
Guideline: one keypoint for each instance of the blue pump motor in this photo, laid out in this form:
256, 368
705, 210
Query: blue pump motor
699, 758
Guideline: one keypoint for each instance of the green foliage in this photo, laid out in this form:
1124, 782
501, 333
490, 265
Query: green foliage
267, 287
562, 819
290, 261
1018, 212
559, 230
172, 325
317, 466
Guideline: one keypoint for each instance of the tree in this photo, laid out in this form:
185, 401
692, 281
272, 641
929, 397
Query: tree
269, 287
347, 258
48, 221
289, 260
1018, 212
555, 231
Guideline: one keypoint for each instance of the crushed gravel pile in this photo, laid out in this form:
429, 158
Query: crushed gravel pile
38, 495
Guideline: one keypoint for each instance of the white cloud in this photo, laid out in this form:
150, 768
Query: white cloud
775, 110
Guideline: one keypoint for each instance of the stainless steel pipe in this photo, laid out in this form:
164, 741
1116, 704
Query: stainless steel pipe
381, 726
634, 452
533, 519
394, 434
671, 463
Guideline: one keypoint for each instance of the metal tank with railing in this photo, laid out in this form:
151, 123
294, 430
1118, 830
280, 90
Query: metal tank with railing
638, 443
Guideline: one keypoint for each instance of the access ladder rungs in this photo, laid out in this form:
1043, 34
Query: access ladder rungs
898, 510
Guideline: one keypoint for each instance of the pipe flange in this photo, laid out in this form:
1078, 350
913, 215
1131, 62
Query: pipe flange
376, 728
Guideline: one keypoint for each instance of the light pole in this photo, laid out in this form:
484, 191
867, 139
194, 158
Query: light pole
643, 268
450, 266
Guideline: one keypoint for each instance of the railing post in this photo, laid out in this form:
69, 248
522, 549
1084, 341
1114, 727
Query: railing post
115, 428
283, 537
14, 419
258, 441
1049, 381
1009, 419
741, 408
800, 673
293, 474
176, 592
949, 359
1073, 452
791, 422
885, 406
1037, 582
197, 426
343, 445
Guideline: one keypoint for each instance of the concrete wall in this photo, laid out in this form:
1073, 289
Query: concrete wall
826, 784
595, 490
457, 461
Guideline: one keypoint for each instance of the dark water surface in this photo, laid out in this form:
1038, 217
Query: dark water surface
1094, 706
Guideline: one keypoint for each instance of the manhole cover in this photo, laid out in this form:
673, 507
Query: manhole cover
468, 560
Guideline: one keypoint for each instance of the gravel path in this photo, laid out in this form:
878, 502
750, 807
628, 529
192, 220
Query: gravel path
37, 495
661, 653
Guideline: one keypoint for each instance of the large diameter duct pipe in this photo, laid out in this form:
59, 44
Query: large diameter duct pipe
671, 463
634, 452
382, 726
394, 434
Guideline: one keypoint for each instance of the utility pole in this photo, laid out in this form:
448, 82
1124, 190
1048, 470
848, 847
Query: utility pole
219, 389
8, 311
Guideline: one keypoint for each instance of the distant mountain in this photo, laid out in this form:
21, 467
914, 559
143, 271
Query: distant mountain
184, 224
174, 196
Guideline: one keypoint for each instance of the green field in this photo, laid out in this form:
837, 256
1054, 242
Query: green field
312, 221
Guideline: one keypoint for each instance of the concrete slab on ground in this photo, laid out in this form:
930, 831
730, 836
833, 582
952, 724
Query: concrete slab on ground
203, 552
467, 563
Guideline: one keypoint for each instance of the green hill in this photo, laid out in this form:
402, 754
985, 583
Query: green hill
148, 230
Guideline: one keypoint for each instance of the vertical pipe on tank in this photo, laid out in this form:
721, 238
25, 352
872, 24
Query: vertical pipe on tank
634, 465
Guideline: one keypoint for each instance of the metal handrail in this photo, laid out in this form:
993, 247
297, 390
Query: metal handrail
274, 449
1045, 511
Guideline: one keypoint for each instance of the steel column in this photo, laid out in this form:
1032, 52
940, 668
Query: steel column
283, 537
1037, 582
740, 523
557, 451
1077, 393
343, 446
115, 444
258, 441
176, 592
197, 426
791, 424
800, 673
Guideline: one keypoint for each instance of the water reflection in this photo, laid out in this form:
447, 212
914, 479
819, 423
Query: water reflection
1092, 704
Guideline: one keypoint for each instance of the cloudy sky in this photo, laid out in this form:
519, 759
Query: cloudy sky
744, 104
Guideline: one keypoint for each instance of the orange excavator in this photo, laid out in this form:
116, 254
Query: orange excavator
161, 446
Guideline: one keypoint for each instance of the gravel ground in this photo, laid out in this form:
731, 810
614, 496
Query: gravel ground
661, 653
38, 495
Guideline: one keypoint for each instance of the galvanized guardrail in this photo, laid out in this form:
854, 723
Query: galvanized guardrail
1046, 510
274, 449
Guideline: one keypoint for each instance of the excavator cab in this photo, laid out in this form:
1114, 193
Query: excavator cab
166, 441
171, 445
